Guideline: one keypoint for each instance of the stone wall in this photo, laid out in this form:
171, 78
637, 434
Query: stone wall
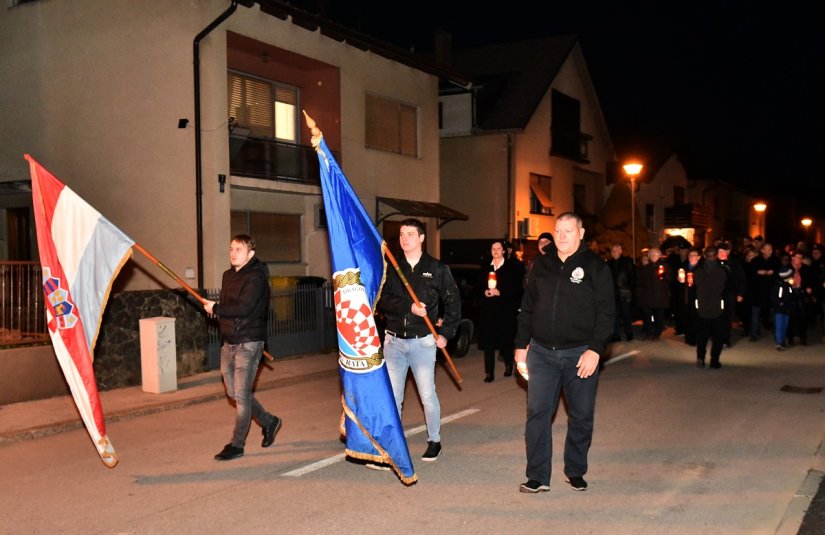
117, 354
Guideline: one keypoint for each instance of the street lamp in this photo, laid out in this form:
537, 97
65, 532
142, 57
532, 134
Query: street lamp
632, 170
806, 222
760, 214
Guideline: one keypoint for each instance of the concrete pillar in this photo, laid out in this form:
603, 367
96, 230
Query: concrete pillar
158, 359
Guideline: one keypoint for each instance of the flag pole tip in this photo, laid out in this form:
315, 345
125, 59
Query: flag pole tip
311, 125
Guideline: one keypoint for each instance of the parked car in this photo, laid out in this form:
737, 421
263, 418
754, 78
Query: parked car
466, 278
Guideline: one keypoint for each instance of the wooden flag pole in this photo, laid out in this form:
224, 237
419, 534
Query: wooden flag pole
180, 281
404, 280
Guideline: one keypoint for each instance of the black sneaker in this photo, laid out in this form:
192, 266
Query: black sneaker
532, 487
433, 451
270, 431
578, 483
229, 452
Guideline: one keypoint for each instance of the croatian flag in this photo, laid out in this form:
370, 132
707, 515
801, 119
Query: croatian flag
81, 253
371, 422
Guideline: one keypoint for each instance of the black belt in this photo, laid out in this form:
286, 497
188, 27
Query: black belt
407, 337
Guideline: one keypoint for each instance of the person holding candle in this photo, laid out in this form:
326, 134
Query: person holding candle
501, 291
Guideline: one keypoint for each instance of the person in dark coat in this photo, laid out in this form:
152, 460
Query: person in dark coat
243, 312
500, 289
686, 295
710, 279
782, 301
624, 281
653, 293
735, 289
765, 268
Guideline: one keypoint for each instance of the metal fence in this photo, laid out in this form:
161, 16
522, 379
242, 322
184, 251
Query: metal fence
301, 320
22, 315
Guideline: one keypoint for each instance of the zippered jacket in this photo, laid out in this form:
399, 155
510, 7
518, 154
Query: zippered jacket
433, 284
568, 304
243, 306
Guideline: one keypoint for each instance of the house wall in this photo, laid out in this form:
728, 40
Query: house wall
474, 173
659, 192
98, 104
533, 147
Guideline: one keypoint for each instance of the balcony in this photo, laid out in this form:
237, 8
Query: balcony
274, 160
688, 215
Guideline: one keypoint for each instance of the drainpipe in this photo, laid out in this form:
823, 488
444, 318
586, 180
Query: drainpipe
198, 170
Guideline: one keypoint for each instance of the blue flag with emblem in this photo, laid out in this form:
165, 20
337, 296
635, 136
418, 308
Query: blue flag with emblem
371, 422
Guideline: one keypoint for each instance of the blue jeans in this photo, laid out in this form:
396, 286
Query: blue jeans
552, 371
418, 355
781, 322
239, 366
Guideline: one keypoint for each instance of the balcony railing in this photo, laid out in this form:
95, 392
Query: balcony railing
22, 316
273, 160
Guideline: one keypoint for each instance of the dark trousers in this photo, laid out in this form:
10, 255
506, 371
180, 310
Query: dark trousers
624, 319
798, 326
713, 330
490, 360
653, 320
553, 372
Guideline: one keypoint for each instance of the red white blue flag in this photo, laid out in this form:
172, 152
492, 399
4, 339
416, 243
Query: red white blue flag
81, 253
371, 424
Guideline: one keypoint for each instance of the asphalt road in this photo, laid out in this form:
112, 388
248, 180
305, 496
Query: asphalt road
676, 450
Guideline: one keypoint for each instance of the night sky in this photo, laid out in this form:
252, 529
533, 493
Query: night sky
735, 90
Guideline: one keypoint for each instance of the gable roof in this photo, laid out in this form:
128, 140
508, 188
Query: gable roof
511, 79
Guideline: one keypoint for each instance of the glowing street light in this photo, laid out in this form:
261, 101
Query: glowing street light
632, 170
807, 222
760, 208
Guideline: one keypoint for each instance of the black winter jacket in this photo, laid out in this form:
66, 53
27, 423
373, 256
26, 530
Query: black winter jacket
567, 304
433, 284
243, 307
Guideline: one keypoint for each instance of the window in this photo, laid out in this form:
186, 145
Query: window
278, 236
540, 194
268, 109
391, 126
649, 220
566, 139
580, 198
678, 195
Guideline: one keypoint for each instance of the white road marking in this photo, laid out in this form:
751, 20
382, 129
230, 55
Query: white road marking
323, 463
623, 356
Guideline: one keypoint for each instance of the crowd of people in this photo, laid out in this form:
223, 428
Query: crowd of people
761, 289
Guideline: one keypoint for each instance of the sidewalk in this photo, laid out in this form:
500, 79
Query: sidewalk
44, 417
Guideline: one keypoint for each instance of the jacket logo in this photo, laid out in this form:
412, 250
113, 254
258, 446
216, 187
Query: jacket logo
427, 275
577, 276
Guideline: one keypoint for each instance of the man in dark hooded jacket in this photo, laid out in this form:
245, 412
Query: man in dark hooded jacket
242, 311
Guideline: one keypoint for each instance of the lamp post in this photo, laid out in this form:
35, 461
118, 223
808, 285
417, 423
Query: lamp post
806, 223
632, 170
760, 217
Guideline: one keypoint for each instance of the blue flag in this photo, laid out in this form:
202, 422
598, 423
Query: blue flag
371, 424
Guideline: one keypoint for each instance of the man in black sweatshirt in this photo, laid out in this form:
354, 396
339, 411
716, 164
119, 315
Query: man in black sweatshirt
242, 310
567, 316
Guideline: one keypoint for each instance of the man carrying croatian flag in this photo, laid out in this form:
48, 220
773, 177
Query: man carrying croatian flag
371, 422
81, 253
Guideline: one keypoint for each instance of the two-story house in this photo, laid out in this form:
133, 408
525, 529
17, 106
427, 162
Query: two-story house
527, 142
181, 122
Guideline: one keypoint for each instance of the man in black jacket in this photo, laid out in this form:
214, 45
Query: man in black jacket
711, 280
566, 318
408, 342
242, 312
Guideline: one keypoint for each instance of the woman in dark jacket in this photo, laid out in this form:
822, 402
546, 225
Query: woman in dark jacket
500, 292
653, 293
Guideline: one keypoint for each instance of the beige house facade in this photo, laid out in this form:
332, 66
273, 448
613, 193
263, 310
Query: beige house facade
102, 93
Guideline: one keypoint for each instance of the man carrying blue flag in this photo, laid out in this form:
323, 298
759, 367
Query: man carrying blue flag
408, 342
